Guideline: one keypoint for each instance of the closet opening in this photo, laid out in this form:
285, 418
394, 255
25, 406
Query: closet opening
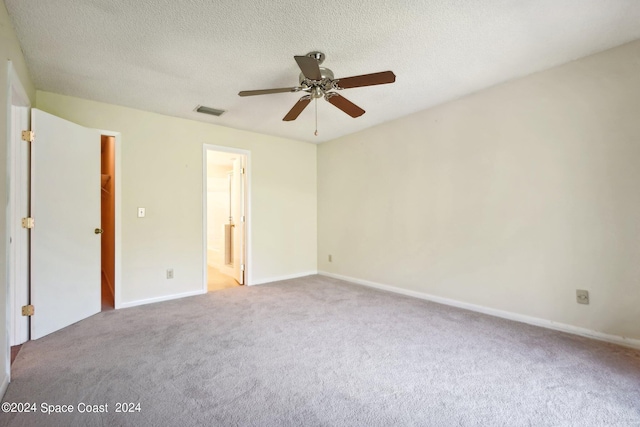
107, 220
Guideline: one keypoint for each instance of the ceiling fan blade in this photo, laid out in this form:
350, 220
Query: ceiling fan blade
268, 91
309, 67
345, 105
297, 108
366, 80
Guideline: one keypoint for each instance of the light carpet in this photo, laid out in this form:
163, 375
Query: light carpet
321, 352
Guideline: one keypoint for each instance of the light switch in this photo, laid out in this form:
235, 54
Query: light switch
141, 212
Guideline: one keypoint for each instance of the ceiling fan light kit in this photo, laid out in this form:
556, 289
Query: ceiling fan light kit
319, 82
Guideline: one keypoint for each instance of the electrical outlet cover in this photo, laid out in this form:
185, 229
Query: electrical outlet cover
582, 296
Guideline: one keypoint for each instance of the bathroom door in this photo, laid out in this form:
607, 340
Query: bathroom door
238, 213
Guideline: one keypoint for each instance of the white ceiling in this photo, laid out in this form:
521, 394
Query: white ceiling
168, 56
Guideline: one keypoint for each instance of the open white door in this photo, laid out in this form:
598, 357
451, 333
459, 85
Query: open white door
65, 205
237, 210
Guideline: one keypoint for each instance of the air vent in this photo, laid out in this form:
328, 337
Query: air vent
208, 110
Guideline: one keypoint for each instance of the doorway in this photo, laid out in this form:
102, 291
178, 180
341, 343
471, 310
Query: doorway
225, 219
107, 220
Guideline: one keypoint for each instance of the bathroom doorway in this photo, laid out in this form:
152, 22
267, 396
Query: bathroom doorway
225, 219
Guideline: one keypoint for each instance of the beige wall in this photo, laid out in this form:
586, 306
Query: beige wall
162, 171
9, 50
511, 198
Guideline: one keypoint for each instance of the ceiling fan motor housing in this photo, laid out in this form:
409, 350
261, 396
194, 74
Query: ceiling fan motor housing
326, 74
317, 88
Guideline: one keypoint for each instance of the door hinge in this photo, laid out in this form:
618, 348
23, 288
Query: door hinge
27, 310
28, 223
241, 267
242, 218
241, 170
28, 136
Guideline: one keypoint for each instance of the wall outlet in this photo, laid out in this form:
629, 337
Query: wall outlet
582, 296
170, 273
330, 259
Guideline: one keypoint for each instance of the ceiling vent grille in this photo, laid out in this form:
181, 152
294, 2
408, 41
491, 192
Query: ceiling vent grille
208, 110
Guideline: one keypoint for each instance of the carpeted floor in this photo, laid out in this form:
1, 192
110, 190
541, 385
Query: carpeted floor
321, 352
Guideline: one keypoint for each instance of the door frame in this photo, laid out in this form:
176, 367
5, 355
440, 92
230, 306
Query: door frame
18, 117
248, 278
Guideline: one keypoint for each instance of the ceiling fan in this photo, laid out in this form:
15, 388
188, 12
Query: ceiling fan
319, 82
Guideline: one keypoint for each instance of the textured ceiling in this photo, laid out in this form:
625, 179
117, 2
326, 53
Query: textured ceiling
169, 56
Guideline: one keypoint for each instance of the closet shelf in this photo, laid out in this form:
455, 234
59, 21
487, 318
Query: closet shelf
104, 180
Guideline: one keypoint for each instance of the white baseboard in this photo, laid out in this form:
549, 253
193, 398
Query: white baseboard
277, 279
162, 298
4, 385
536, 321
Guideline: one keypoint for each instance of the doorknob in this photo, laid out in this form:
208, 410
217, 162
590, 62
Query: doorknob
98, 231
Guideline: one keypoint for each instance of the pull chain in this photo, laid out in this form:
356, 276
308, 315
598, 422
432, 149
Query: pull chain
316, 105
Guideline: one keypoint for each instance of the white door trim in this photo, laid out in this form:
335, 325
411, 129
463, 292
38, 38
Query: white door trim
117, 280
248, 278
18, 265
18, 103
